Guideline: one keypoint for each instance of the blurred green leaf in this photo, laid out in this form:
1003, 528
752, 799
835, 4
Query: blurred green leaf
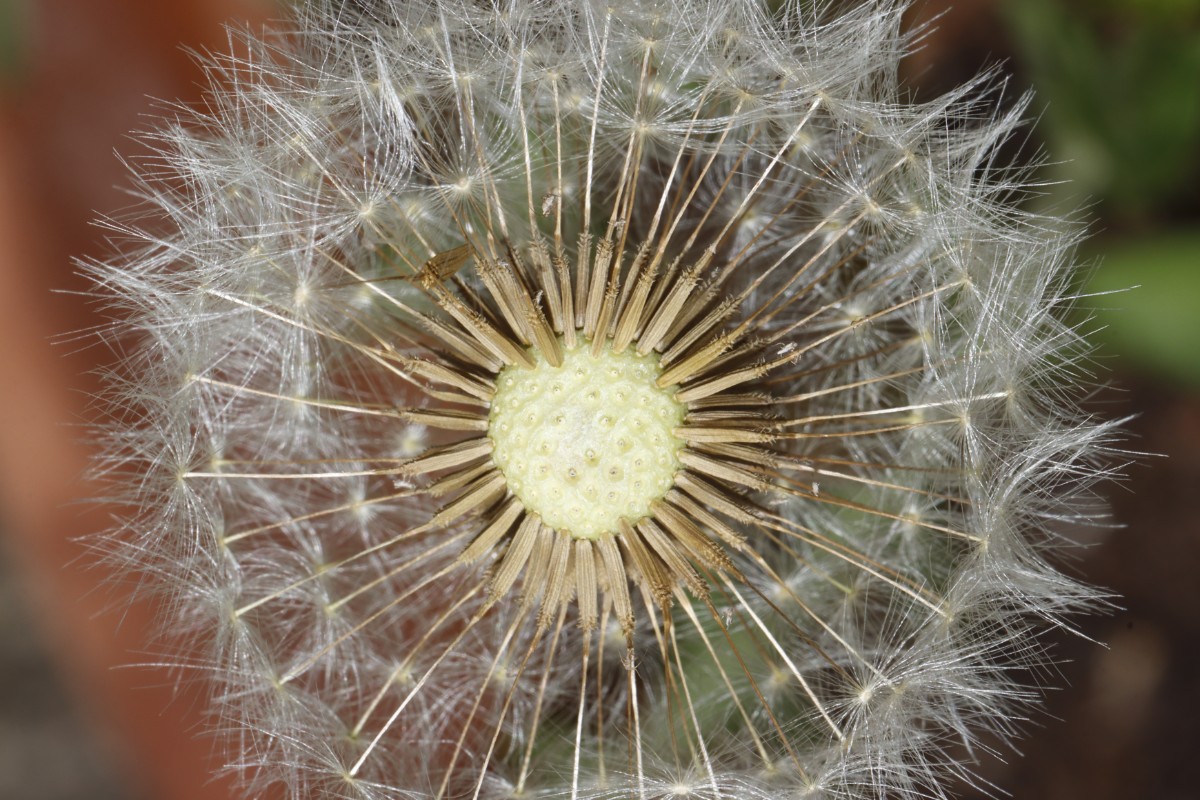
1178, 10
1120, 84
1155, 326
13, 35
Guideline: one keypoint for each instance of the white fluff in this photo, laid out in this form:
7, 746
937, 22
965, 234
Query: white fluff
884, 622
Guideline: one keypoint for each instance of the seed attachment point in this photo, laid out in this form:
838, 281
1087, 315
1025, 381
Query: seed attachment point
587, 443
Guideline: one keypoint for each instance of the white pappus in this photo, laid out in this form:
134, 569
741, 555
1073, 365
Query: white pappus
560, 399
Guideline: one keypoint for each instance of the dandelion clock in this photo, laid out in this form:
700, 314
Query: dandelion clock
563, 400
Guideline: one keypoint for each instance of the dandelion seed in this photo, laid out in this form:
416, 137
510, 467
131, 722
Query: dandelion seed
569, 400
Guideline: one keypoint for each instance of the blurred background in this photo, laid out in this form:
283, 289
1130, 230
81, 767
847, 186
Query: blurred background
1118, 108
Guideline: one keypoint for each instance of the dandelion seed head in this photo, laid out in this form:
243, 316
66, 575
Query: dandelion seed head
563, 399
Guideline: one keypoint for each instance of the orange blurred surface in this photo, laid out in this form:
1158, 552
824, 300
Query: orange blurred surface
89, 68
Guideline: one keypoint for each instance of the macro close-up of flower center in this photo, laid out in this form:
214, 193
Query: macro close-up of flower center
604, 453
554, 399
587, 442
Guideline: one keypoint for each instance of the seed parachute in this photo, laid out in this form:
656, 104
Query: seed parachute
556, 399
